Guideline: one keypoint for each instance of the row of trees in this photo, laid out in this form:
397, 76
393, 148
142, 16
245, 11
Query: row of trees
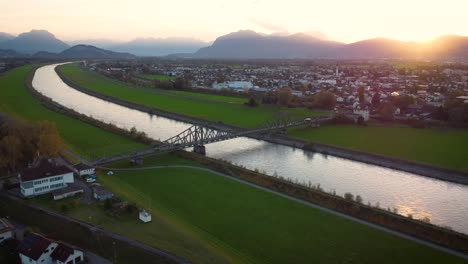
284, 97
21, 143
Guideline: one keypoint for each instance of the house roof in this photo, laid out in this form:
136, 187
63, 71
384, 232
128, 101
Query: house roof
62, 253
82, 166
33, 246
45, 169
5, 226
101, 191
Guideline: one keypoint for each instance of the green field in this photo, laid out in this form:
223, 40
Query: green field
256, 226
229, 110
155, 77
443, 148
81, 138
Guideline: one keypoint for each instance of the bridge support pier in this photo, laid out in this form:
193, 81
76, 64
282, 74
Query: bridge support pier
200, 149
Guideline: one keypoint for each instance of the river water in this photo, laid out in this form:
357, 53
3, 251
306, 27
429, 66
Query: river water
444, 203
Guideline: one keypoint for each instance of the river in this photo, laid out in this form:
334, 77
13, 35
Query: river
444, 203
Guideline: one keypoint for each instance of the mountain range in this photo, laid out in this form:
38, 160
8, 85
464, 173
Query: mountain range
244, 44
249, 44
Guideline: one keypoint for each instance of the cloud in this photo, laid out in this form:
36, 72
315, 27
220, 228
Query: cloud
268, 25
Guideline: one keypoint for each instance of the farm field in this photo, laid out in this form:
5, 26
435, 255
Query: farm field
80, 137
155, 77
230, 110
239, 218
442, 148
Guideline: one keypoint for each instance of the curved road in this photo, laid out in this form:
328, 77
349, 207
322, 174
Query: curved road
384, 229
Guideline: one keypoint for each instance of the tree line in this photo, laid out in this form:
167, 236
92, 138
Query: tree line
21, 143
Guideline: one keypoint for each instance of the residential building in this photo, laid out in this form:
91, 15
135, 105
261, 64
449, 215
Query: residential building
36, 249
100, 193
44, 178
82, 169
7, 230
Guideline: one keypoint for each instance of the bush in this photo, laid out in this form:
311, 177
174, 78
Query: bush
349, 196
359, 199
252, 102
64, 208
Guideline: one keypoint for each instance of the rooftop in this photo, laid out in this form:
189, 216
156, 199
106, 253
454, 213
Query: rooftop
33, 246
44, 169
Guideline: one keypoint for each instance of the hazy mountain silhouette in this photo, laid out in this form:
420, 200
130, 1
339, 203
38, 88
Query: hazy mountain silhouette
5, 36
159, 46
250, 44
243, 44
91, 52
34, 41
10, 54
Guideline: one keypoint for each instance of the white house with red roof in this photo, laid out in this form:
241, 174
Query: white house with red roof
43, 178
36, 249
7, 230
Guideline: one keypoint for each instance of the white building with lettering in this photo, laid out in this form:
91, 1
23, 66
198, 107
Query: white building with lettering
44, 178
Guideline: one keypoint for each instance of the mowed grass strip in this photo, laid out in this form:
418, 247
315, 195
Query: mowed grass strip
260, 226
230, 110
80, 137
446, 148
158, 77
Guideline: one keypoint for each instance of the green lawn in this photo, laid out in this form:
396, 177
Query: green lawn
82, 138
155, 77
259, 227
229, 110
443, 148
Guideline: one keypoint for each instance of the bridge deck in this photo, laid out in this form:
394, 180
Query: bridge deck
202, 135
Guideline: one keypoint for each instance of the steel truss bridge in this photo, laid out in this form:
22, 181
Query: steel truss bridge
197, 136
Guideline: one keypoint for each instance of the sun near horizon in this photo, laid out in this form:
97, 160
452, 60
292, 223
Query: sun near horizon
339, 20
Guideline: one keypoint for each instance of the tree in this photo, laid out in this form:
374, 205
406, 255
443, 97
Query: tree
403, 101
361, 95
49, 144
386, 112
252, 101
324, 100
284, 96
376, 100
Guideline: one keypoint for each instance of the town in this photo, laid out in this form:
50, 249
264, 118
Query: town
382, 90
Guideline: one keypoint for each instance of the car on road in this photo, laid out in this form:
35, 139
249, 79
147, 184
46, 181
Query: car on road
90, 179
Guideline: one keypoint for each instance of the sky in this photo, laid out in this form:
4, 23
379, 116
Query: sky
340, 20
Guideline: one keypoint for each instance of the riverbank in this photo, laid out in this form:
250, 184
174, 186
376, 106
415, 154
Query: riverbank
370, 158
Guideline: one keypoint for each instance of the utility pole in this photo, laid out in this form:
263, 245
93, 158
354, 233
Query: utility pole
115, 253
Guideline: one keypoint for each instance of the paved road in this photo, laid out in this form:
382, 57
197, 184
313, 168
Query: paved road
384, 229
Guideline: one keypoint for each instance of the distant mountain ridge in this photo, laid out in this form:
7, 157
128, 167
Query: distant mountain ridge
159, 46
84, 52
246, 44
34, 41
250, 44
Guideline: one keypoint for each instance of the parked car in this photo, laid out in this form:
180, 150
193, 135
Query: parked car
89, 179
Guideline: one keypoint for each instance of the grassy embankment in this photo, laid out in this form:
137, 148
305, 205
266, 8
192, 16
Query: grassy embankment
81, 138
230, 110
445, 149
155, 77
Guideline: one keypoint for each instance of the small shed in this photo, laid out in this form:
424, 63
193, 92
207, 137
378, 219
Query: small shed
145, 216
82, 169
100, 193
